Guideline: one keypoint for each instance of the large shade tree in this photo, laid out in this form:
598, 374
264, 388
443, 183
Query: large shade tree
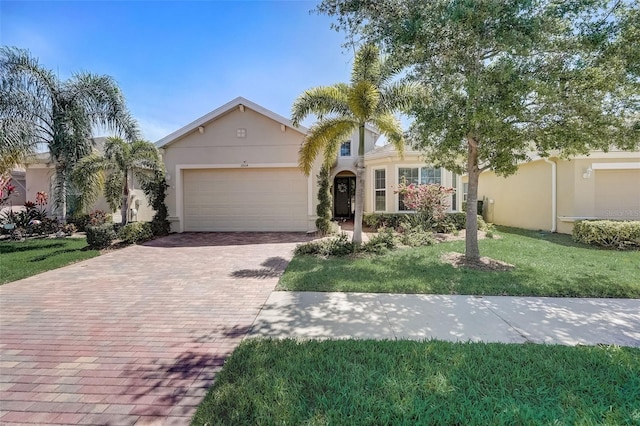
508, 78
370, 98
39, 110
112, 172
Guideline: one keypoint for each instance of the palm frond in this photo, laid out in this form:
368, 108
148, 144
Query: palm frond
113, 188
391, 127
320, 136
400, 96
366, 65
104, 103
364, 98
320, 101
89, 177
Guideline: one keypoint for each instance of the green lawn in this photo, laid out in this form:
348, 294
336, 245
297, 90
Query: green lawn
545, 265
350, 382
23, 259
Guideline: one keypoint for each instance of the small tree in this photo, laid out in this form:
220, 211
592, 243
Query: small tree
370, 98
112, 172
323, 210
430, 201
509, 78
38, 109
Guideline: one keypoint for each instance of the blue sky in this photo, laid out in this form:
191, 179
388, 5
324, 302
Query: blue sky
178, 60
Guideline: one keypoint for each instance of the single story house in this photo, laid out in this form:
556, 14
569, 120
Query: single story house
236, 169
552, 194
40, 173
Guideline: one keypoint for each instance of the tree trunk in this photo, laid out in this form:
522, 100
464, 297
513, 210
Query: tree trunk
125, 199
472, 252
61, 177
357, 221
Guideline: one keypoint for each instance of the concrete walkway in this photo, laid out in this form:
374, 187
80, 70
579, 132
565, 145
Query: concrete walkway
564, 321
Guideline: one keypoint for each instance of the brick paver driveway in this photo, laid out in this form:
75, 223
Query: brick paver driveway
134, 336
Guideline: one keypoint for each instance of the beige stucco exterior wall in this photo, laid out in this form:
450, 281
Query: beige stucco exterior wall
522, 200
267, 143
598, 194
349, 163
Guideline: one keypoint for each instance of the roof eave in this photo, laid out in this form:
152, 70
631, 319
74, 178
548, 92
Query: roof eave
171, 138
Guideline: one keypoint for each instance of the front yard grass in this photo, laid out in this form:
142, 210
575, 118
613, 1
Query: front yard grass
545, 265
366, 382
23, 259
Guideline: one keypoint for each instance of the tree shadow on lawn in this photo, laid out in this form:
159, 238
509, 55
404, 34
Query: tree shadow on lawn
399, 274
17, 247
54, 254
551, 237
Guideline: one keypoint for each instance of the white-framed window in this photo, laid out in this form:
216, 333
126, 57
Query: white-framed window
345, 149
465, 190
417, 176
380, 190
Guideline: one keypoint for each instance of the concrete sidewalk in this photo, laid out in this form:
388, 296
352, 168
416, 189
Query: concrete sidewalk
566, 321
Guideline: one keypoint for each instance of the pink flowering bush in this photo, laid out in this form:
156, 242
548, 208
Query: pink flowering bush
431, 201
6, 189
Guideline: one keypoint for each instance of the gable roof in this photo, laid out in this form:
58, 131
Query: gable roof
218, 112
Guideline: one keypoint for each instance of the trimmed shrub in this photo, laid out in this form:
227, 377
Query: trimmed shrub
385, 220
100, 236
380, 243
619, 235
453, 221
416, 236
323, 210
136, 232
68, 229
80, 221
334, 246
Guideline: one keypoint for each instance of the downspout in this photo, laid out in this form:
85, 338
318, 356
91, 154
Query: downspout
554, 197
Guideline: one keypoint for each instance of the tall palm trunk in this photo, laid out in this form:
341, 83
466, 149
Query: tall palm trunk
357, 222
125, 198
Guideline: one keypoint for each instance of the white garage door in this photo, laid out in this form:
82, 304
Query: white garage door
618, 194
245, 200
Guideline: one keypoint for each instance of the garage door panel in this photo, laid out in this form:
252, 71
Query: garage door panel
617, 194
245, 200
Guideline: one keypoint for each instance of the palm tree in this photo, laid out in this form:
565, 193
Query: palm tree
111, 172
39, 110
370, 98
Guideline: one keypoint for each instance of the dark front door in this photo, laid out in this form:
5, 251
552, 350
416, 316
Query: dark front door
343, 191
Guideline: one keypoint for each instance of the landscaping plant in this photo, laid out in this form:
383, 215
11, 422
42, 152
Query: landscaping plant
508, 79
618, 235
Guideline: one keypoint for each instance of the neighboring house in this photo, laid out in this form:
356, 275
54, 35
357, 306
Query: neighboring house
236, 169
18, 198
39, 176
552, 194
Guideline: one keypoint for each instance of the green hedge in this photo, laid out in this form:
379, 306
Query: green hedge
453, 221
136, 232
100, 236
619, 235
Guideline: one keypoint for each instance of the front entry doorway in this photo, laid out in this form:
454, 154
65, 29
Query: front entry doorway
344, 192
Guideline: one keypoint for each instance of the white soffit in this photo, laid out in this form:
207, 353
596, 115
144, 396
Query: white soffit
615, 166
